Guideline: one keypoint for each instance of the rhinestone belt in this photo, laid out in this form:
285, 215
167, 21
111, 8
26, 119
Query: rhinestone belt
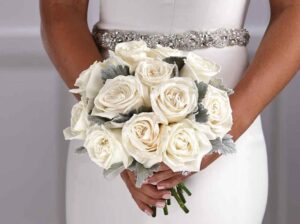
189, 40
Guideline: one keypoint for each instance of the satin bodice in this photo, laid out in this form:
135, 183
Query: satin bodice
171, 16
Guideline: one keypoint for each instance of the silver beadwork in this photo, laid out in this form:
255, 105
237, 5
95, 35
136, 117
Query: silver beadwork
189, 40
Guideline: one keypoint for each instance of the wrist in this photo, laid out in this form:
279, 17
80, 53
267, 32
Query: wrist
241, 118
209, 159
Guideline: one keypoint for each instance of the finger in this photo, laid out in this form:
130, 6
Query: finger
149, 190
145, 194
131, 176
170, 183
153, 192
161, 176
127, 181
144, 207
139, 195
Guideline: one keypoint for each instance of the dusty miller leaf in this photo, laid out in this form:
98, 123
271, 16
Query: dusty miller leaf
121, 118
114, 71
218, 83
224, 146
202, 89
141, 172
80, 150
201, 114
113, 171
97, 120
175, 72
179, 61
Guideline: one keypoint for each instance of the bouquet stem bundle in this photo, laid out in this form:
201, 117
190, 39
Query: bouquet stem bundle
177, 193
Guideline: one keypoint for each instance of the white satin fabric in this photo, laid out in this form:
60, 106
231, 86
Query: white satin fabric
233, 190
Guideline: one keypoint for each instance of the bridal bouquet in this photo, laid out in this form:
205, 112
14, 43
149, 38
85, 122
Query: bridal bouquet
142, 107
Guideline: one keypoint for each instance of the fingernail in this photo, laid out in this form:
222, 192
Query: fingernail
160, 187
160, 204
166, 196
154, 183
148, 212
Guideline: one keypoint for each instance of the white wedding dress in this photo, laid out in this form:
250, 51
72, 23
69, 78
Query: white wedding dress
232, 190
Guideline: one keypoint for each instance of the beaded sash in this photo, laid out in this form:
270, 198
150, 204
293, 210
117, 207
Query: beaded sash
190, 40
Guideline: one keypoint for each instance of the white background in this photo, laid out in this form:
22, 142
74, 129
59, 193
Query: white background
35, 108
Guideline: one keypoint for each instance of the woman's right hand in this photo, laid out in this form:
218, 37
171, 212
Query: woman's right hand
147, 196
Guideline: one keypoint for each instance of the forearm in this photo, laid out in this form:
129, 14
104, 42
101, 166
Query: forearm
67, 40
274, 65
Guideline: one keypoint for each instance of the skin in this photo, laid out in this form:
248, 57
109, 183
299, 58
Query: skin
71, 48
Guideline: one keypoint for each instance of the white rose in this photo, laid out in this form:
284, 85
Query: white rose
160, 52
119, 95
132, 52
199, 68
89, 81
141, 137
152, 72
185, 144
104, 147
79, 122
217, 103
174, 99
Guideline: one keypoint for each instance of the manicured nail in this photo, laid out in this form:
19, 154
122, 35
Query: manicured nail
154, 183
161, 187
166, 196
160, 204
148, 212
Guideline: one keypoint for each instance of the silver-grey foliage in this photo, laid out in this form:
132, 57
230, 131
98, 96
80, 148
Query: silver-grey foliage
121, 118
224, 146
179, 61
218, 83
202, 89
175, 71
97, 120
113, 171
80, 150
201, 114
141, 172
114, 71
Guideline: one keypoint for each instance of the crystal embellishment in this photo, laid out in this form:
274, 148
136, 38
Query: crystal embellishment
190, 40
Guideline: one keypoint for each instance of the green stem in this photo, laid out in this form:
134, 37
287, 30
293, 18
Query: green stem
184, 188
166, 212
153, 211
180, 193
168, 201
181, 204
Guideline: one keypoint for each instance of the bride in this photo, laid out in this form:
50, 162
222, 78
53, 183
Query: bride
229, 189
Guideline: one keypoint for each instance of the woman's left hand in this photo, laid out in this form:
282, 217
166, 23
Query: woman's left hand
165, 178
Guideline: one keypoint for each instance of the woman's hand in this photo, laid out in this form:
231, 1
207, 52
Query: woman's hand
165, 178
146, 196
